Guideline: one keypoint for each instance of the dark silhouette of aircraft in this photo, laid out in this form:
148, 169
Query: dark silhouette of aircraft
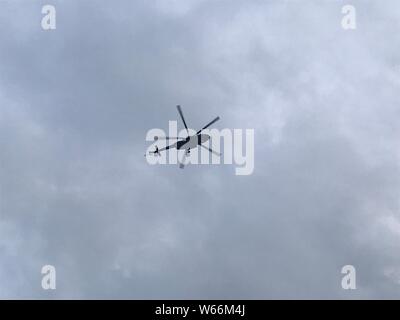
187, 143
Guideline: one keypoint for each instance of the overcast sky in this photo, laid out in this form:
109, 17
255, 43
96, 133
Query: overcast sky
77, 193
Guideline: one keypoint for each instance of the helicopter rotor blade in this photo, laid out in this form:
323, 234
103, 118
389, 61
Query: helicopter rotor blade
168, 138
183, 119
182, 162
211, 150
215, 120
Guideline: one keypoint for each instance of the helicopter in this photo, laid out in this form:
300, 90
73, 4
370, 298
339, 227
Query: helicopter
186, 143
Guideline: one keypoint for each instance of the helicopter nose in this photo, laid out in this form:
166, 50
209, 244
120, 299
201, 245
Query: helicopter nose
205, 137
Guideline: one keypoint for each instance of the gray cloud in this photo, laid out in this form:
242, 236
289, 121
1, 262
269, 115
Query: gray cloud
76, 192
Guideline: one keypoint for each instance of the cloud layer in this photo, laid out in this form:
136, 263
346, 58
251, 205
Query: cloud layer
76, 192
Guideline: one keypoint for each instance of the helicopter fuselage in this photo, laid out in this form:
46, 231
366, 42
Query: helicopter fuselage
192, 141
